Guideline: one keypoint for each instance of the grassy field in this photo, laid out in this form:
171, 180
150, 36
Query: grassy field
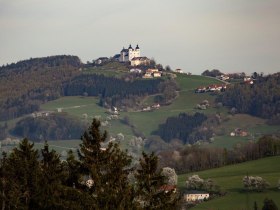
114, 69
230, 180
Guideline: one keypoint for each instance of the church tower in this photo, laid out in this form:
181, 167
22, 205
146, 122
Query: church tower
137, 51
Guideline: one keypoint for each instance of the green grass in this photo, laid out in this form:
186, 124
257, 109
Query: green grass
191, 82
77, 106
112, 69
230, 180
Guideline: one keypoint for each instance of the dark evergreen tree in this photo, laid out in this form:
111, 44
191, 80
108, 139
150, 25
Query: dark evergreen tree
150, 185
268, 204
21, 178
52, 177
106, 171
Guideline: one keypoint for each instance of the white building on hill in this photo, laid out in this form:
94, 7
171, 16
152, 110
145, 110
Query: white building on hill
128, 54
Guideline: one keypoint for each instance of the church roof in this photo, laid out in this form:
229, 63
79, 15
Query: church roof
124, 50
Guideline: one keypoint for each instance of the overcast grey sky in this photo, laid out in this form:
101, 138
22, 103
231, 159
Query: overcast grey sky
195, 35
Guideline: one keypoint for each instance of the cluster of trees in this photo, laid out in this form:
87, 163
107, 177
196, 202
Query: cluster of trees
51, 127
196, 158
261, 99
194, 182
212, 73
168, 90
180, 127
27, 84
102, 178
254, 183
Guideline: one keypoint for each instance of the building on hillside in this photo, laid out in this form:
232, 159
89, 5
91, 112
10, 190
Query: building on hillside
101, 60
137, 61
157, 74
152, 73
179, 71
193, 196
223, 77
126, 55
135, 70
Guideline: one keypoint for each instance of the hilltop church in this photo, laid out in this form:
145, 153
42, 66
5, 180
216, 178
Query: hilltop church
127, 55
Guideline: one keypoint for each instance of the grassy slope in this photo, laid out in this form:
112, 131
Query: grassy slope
229, 178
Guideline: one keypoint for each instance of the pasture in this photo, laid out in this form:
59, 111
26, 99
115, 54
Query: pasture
229, 178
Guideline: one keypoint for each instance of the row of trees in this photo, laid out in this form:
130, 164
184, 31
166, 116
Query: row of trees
196, 158
102, 178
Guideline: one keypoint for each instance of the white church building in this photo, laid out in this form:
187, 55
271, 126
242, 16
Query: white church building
126, 55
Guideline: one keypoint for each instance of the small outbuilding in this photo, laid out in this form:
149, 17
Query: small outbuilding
193, 196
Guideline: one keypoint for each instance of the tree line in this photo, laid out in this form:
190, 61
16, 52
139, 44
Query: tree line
196, 158
262, 99
101, 178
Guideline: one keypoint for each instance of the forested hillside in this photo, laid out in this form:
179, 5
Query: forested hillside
27, 84
262, 99
52, 127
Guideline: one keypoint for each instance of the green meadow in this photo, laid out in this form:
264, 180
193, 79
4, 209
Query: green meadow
229, 178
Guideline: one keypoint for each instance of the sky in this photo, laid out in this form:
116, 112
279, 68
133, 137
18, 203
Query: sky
194, 35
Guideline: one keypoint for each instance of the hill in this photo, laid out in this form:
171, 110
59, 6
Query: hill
27, 84
230, 180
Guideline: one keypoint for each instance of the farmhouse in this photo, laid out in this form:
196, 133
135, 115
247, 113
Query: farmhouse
135, 71
101, 60
239, 132
136, 61
211, 88
193, 196
150, 73
223, 77
41, 114
179, 71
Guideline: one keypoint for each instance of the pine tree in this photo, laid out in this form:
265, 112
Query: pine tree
269, 205
150, 185
52, 177
22, 188
106, 169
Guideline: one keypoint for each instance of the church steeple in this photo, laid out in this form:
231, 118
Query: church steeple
137, 47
